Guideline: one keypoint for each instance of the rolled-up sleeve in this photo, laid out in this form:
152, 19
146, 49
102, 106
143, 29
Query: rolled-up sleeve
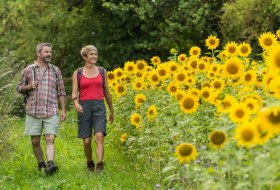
22, 82
60, 84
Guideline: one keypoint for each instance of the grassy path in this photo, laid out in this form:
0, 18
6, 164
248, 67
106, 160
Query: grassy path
18, 166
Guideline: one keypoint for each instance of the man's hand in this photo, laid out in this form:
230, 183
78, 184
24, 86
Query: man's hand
33, 85
62, 115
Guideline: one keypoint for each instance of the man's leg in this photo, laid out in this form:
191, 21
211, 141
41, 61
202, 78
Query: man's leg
50, 150
37, 149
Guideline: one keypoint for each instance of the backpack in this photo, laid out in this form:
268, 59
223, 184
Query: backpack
25, 96
80, 73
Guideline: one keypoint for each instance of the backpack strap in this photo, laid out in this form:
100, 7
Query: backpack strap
33, 73
102, 72
79, 75
56, 77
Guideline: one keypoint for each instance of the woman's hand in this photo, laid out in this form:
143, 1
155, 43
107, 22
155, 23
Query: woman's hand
78, 107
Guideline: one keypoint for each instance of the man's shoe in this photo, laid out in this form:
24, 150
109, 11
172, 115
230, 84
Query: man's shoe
42, 165
90, 166
100, 166
51, 168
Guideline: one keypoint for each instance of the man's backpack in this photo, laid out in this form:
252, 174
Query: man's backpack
25, 96
80, 73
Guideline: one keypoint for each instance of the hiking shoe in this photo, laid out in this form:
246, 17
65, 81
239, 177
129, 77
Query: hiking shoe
51, 168
90, 166
99, 166
41, 165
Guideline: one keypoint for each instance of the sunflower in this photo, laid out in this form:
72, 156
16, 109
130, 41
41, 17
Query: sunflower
152, 112
206, 93
195, 51
179, 94
140, 65
250, 77
206, 84
120, 90
172, 88
223, 55
215, 67
162, 71
180, 77
172, 66
267, 40
252, 104
111, 76
202, 66
273, 59
217, 139
194, 92
135, 119
138, 84
211, 75
186, 152
233, 68
278, 33
218, 84
129, 67
227, 103
123, 137
154, 78
246, 135
173, 51
155, 60
189, 104
193, 63
267, 79
139, 99
231, 49
118, 72
190, 80
212, 42
271, 117
265, 132
183, 58
244, 49
239, 113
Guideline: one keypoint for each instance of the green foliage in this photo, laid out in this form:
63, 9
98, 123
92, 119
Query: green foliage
19, 166
246, 20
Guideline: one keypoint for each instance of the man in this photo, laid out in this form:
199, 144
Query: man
42, 85
89, 88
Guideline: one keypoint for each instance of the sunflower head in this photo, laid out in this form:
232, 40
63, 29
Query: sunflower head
217, 139
155, 60
267, 40
212, 42
186, 152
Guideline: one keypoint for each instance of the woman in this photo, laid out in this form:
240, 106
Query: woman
89, 88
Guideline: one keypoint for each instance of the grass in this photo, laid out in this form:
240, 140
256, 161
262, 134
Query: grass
18, 168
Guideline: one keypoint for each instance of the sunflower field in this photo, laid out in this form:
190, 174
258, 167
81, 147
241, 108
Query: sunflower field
203, 120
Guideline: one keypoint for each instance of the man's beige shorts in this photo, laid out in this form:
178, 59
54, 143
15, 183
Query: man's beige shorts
35, 126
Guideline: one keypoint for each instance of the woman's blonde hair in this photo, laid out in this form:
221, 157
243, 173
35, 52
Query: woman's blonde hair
84, 51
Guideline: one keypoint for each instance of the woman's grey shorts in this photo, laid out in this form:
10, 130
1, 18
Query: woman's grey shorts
93, 117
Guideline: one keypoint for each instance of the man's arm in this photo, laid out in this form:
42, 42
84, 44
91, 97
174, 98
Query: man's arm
62, 101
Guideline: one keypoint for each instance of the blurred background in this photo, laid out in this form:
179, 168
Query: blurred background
122, 30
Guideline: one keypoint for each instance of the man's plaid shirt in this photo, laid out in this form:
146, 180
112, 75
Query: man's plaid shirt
42, 102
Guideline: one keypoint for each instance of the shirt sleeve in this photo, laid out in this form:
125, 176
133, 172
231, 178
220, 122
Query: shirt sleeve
60, 84
22, 82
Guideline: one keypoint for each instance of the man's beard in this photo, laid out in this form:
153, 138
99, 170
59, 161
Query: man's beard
47, 59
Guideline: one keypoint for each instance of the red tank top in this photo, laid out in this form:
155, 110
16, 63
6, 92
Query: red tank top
91, 88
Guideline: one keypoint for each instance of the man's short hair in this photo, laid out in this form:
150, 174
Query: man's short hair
40, 46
